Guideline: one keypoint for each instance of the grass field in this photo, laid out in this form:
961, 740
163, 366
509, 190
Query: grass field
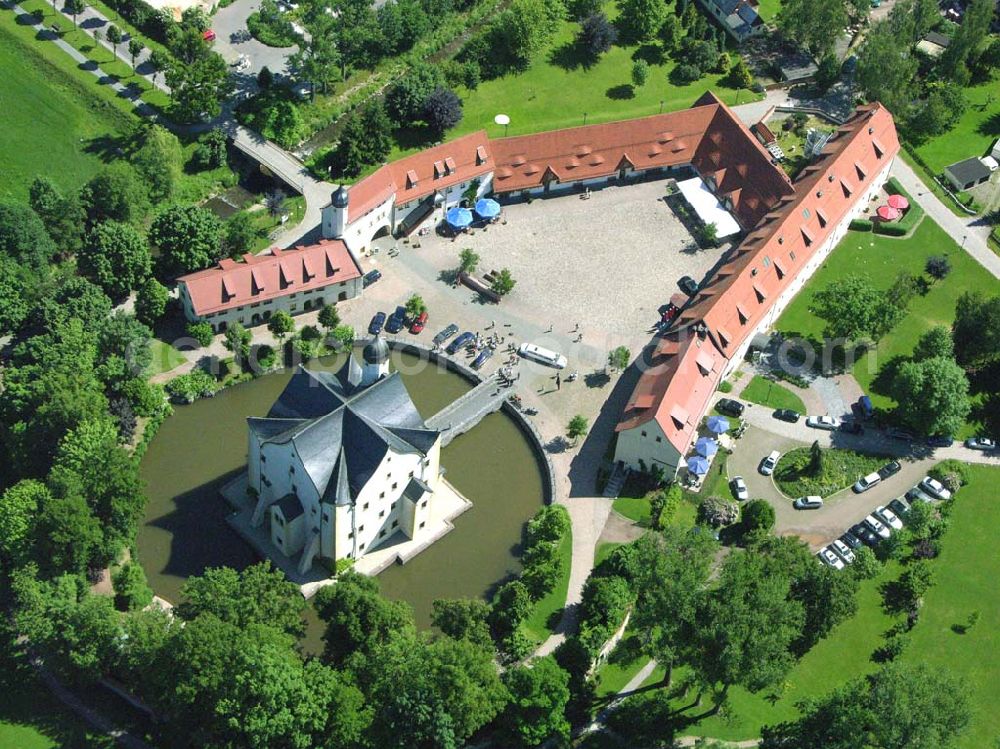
623, 664
768, 9
538, 626
53, 121
764, 392
165, 357
879, 259
558, 90
975, 132
841, 468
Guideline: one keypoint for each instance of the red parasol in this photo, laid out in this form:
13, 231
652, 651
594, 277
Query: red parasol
887, 213
898, 202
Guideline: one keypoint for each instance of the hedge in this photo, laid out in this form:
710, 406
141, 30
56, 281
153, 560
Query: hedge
909, 220
861, 224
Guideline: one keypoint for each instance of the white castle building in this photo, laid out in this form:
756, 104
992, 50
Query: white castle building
343, 462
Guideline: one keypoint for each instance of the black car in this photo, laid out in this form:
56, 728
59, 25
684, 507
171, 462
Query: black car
688, 285
866, 534
730, 407
889, 469
941, 440
851, 540
899, 434
371, 277
395, 323
375, 326
787, 414
851, 427
899, 507
445, 334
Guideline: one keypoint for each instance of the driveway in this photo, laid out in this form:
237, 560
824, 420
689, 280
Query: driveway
233, 40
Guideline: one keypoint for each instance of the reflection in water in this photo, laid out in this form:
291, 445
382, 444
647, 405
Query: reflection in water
202, 445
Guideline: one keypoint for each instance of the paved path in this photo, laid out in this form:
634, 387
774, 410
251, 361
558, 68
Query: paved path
972, 232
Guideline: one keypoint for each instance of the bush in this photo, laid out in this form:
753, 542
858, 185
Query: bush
717, 512
550, 524
131, 589
952, 473
187, 388
938, 266
269, 27
201, 332
758, 515
685, 73
866, 565
891, 230
861, 224
725, 386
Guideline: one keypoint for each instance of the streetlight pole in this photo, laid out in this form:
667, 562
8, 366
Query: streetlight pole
584, 118
964, 237
661, 106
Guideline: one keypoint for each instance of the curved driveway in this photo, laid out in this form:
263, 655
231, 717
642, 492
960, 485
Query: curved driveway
843, 509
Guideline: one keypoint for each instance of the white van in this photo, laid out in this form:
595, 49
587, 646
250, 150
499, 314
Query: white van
867, 482
542, 355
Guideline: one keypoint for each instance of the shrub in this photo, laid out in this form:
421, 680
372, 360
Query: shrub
891, 230
188, 388
269, 27
866, 565
952, 473
685, 73
549, 524
758, 515
201, 332
716, 511
861, 224
725, 386
938, 266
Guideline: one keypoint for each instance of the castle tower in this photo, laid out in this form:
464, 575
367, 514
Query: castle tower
335, 214
376, 361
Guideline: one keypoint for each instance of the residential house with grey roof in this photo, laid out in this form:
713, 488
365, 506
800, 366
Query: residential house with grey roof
739, 18
343, 462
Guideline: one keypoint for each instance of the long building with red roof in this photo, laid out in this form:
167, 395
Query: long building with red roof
745, 295
417, 190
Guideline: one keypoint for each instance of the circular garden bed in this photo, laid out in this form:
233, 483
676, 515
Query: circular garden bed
799, 473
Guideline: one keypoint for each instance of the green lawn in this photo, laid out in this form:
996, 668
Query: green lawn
54, 122
31, 718
538, 626
557, 91
603, 551
635, 509
165, 357
975, 132
622, 665
879, 259
764, 392
840, 469
768, 9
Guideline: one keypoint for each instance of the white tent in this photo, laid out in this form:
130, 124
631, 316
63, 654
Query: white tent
708, 207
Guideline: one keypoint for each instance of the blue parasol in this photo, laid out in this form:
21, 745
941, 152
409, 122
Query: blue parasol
487, 208
706, 446
698, 465
718, 424
459, 217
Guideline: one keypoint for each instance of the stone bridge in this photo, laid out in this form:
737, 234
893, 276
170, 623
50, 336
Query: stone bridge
465, 412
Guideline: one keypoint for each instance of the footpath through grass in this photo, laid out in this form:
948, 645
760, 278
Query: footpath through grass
879, 259
796, 477
765, 392
55, 121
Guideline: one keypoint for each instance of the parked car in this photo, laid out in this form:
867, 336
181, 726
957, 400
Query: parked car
445, 334
419, 324
899, 507
830, 559
767, 465
941, 440
888, 517
899, 434
730, 407
812, 502
876, 527
822, 422
688, 285
371, 277
980, 443
935, 488
396, 321
375, 326
865, 483
852, 541
842, 550
462, 340
787, 414
851, 427
739, 488
669, 313
916, 494
867, 536
889, 469
480, 360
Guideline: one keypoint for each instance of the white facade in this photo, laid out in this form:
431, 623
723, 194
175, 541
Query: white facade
645, 447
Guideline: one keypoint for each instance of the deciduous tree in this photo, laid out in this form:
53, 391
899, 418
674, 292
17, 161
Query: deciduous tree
932, 395
189, 237
116, 257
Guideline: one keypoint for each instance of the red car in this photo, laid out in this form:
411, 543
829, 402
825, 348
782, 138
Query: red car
419, 323
669, 313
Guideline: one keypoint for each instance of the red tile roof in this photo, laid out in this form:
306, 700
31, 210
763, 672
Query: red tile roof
729, 306
421, 174
261, 277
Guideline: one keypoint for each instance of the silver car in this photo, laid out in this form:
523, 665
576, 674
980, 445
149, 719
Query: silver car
935, 488
739, 488
888, 517
876, 527
829, 558
768, 464
842, 550
981, 443
811, 502
828, 423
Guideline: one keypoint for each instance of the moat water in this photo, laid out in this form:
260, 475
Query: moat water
204, 444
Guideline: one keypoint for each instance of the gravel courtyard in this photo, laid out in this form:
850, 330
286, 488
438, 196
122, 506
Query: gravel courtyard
608, 262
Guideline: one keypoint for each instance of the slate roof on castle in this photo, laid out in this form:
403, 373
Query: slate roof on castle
342, 431
685, 366
707, 135
257, 278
